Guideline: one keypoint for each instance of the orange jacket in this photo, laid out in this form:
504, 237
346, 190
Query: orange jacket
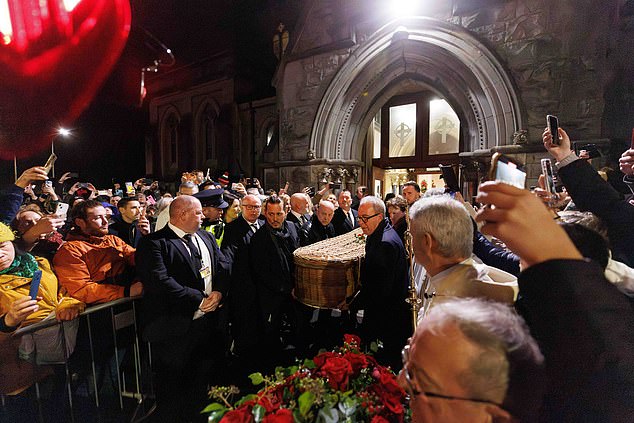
84, 264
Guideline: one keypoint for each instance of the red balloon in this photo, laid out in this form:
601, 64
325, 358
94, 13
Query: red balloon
52, 64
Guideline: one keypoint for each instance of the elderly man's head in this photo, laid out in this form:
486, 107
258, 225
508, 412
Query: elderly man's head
442, 231
472, 360
187, 188
325, 212
371, 213
300, 203
345, 200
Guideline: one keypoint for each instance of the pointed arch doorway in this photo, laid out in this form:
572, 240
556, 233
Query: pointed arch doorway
423, 58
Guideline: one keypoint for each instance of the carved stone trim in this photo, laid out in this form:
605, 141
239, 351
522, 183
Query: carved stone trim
472, 72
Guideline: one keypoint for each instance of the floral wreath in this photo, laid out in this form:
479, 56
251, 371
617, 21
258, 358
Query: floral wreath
345, 385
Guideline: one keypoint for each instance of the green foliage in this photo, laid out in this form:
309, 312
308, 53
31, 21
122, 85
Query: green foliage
256, 378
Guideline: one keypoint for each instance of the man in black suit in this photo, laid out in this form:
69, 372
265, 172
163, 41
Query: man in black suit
272, 265
300, 210
345, 218
245, 322
321, 227
185, 278
384, 283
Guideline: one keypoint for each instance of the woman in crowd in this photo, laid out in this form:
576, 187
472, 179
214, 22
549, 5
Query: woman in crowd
233, 211
17, 270
396, 208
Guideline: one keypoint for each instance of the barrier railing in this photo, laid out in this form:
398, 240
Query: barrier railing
120, 320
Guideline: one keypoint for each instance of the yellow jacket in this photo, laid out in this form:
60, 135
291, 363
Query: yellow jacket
14, 287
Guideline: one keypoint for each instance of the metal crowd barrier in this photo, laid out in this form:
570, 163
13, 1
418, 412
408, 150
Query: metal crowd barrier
120, 320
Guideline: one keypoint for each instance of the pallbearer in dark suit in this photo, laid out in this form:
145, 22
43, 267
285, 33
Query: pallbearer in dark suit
272, 266
384, 283
245, 324
345, 218
185, 279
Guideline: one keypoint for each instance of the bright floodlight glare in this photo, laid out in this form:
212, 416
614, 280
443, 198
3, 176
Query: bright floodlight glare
402, 7
63, 132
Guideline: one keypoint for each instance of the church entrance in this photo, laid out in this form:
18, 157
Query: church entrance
409, 138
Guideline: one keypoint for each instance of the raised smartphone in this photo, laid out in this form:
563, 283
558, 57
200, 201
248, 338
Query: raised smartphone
504, 169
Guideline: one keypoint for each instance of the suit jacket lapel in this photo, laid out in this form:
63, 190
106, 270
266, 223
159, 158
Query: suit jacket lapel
180, 246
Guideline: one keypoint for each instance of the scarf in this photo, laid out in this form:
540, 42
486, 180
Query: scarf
23, 265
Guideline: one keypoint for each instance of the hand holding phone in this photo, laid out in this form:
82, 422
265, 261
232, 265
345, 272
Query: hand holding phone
553, 126
62, 209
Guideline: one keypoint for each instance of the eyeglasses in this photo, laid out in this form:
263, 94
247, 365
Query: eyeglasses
365, 219
413, 392
250, 207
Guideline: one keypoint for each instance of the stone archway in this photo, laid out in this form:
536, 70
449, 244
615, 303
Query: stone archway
425, 51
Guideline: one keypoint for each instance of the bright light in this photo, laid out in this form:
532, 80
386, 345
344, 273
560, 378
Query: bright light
69, 5
6, 29
63, 132
402, 7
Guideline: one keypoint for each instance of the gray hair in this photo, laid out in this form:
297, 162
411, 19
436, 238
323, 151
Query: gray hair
447, 221
377, 204
433, 192
509, 365
162, 203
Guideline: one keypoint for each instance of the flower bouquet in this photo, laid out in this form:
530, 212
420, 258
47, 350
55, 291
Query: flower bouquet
345, 385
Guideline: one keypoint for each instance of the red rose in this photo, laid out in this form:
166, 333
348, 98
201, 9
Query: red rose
357, 361
353, 340
269, 403
320, 359
337, 370
379, 419
390, 393
239, 415
283, 415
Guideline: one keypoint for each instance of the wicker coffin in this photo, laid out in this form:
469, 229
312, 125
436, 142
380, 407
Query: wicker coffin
328, 271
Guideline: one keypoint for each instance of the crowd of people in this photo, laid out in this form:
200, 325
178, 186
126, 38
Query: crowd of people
525, 310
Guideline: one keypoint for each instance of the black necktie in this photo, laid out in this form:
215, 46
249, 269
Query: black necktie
254, 226
194, 251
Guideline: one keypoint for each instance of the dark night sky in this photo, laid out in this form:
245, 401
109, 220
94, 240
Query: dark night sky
108, 138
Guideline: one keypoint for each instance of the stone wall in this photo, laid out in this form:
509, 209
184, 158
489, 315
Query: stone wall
559, 54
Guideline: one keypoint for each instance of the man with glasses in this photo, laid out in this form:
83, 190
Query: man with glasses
384, 282
472, 360
242, 299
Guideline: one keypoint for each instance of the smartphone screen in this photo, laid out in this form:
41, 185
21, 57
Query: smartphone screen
553, 124
129, 188
506, 170
549, 176
35, 284
449, 176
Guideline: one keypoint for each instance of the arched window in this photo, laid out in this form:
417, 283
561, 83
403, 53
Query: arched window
171, 143
420, 130
209, 117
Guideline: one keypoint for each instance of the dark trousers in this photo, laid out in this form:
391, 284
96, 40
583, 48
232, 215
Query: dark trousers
185, 367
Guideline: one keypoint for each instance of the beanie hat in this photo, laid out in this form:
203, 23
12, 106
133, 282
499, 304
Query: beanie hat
224, 179
6, 234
